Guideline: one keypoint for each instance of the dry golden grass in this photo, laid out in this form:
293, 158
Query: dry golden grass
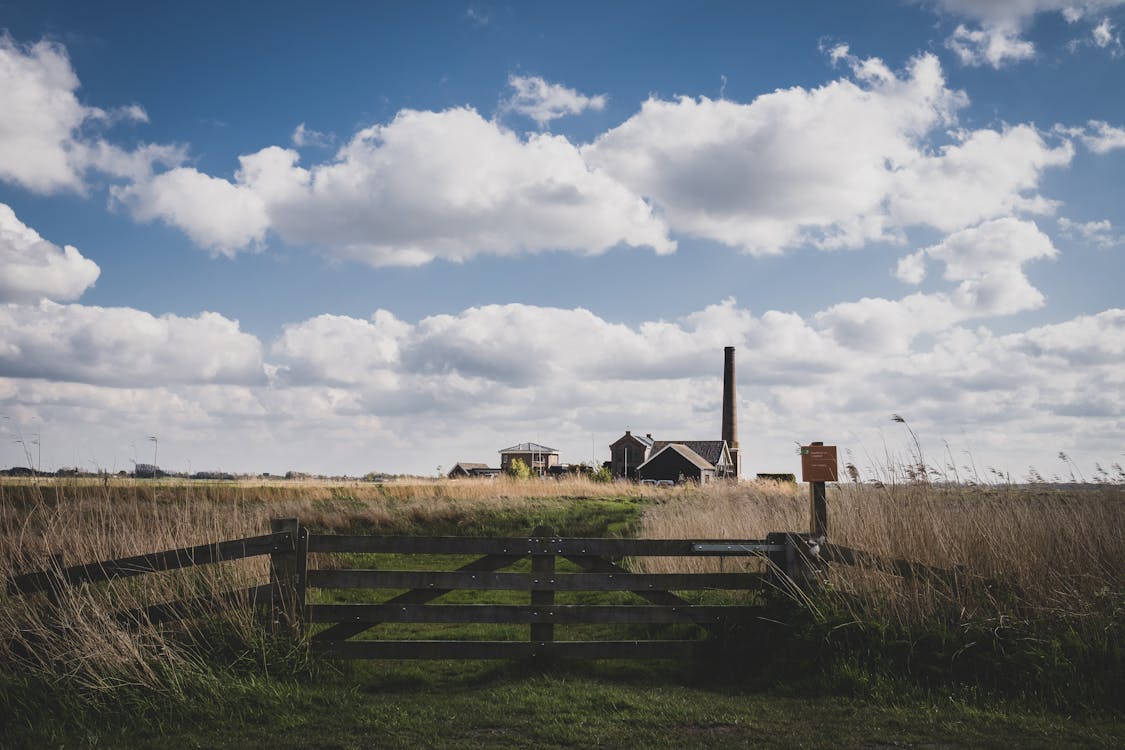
1025, 551
88, 520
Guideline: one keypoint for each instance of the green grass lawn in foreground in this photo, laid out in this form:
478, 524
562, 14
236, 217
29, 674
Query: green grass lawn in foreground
495, 705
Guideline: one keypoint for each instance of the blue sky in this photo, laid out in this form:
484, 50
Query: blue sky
343, 237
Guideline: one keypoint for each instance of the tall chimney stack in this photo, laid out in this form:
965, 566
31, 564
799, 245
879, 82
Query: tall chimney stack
730, 410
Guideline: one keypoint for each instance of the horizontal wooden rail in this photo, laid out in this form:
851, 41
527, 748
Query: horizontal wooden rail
565, 614
412, 579
202, 554
457, 545
510, 649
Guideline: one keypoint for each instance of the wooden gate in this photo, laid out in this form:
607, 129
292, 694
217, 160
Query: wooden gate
558, 566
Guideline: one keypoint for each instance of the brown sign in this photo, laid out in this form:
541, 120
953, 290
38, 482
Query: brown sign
818, 463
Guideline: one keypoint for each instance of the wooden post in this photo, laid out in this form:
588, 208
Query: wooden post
287, 573
818, 507
543, 568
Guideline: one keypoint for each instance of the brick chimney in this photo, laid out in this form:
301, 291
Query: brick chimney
730, 410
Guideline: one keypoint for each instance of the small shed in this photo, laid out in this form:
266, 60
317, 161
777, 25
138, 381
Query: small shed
714, 452
678, 463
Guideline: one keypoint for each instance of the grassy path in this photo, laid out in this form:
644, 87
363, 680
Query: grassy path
446, 705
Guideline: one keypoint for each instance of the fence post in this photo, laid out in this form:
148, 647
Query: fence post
543, 569
287, 574
818, 507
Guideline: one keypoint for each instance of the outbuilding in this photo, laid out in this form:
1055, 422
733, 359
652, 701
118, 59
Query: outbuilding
678, 463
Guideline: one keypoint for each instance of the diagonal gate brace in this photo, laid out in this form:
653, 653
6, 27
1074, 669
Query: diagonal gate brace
344, 630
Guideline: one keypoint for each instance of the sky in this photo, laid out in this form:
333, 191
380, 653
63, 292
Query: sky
341, 237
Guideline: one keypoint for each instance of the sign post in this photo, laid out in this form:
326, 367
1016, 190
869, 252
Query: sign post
818, 466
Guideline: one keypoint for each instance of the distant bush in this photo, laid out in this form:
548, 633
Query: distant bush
519, 469
602, 475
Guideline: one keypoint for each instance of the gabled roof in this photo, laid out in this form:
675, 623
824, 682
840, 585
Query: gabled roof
642, 439
529, 448
693, 457
710, 450
469, 466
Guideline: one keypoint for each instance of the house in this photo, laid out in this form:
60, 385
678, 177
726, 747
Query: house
627, 453
723, 458
539, 458
714, 452
465, 469
678, 463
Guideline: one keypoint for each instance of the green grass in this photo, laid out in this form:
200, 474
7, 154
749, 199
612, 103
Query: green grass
501, 705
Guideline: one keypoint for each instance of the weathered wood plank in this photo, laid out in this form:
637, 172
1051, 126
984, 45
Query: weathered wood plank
509, 649
202, 554
421, 596
530, 545
446, 580
519, 614
543, 567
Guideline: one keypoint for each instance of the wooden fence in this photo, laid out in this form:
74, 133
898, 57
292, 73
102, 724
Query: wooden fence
591, 565
594, 566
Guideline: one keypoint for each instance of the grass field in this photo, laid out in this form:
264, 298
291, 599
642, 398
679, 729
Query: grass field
1026, 650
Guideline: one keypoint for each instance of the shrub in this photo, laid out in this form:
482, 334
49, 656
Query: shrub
519, 469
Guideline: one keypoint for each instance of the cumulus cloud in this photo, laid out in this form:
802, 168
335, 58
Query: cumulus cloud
222, 216
857, 160
376, 389
35, 269
427, 185
44, 146
987, 263
534, 97
837, 166
124, 347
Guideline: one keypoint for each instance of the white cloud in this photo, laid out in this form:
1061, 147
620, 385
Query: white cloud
305, 136
452, 383
995, 45
426, 185
219, 215
1099, 136
911, 269
985, 174
987, 262
851, 162
42, 144
1099, 233
35, 269
1103, 34
837, 166
998, 40
125, 347
543, 102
